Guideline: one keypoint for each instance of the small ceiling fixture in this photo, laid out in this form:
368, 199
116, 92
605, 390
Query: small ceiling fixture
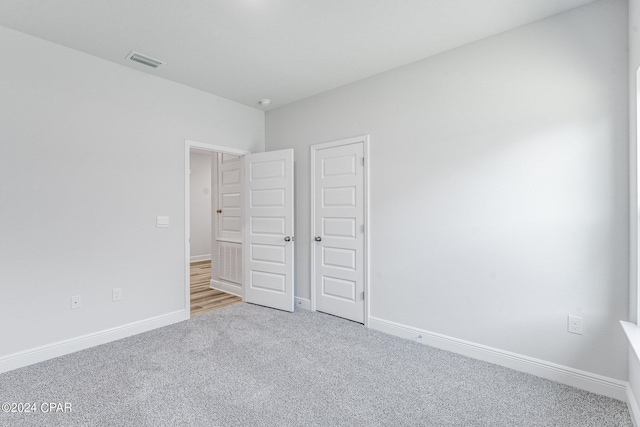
143, 59
264, 102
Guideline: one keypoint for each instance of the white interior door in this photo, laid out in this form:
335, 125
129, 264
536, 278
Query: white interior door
226, 266
229, 212
268, 229
338, 191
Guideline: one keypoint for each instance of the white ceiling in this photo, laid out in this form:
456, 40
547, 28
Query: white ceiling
284, 50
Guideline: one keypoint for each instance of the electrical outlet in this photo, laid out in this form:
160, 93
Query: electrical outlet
76, 302
117, 294
574, 325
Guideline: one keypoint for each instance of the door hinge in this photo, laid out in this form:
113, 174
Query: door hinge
363, 161
362, 228
362, 295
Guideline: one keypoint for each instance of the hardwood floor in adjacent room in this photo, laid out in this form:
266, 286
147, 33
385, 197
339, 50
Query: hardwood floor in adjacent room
203, 298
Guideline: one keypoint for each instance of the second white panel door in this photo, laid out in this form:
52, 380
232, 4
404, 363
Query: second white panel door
339, 230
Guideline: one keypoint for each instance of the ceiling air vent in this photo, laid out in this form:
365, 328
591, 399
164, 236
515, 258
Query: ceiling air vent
143, 59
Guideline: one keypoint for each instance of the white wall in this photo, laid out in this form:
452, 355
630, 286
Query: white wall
200, 212
90, 153
499, 182
634, 65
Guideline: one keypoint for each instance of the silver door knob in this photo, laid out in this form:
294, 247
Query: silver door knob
318, 239
287, 239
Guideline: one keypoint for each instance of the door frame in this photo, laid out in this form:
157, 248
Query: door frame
364, 139
188, 145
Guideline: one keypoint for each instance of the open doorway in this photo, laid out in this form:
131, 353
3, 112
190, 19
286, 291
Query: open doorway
213, 212
265, 258
216, 240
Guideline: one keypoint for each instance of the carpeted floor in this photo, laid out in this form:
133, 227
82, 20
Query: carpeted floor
245, 365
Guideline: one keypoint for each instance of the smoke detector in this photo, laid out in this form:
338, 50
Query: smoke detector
264, 102
144, 59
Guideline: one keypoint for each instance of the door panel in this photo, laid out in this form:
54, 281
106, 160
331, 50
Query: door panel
338, 288
339, 227
267, 198
339, 197
339, 224
269, 229
268, 226
266, 253
339, 258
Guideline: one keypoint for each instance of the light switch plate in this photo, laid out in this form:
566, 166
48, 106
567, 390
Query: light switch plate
162, 221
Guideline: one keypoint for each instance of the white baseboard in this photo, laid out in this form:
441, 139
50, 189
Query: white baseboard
632, 404
196, 258
302, 303
60, 348
563, 374
230, 288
